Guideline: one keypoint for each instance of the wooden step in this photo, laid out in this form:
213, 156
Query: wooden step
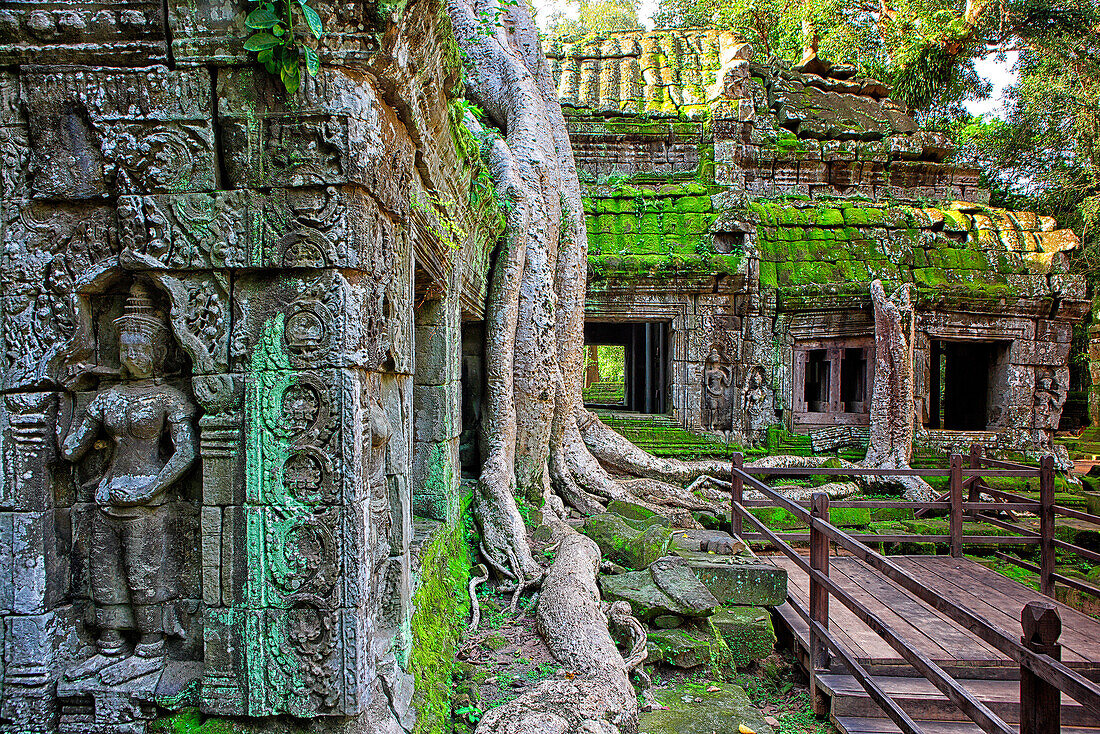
923, 701
864, 725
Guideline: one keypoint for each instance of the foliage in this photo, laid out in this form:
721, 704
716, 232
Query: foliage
276, 44
596, 17
1045, 156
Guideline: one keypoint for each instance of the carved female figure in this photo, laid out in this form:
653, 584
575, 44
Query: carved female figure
716, 379
759, 402
129, 527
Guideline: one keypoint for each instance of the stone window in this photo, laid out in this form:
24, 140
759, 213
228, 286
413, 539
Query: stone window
832, 381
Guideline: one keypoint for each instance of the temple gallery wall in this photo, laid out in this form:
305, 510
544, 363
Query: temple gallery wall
231, 349
241, 333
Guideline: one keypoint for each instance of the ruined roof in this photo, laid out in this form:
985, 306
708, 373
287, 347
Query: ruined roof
662, 72
680, 73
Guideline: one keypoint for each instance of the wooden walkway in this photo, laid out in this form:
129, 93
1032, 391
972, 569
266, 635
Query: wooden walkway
989, 674
968, 584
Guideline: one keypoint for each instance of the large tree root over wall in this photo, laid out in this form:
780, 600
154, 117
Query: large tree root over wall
538, 440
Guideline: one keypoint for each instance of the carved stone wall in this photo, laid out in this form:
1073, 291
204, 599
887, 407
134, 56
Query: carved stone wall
278, 238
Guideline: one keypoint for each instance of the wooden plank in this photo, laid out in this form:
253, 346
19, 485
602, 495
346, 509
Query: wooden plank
987, 592
877, 647
862, 725
1080, 632
957, 643
798, 586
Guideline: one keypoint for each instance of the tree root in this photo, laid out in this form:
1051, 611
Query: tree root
598, 698
521, 588
479, 575
620, 615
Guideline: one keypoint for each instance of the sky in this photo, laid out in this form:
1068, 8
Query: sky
999, 73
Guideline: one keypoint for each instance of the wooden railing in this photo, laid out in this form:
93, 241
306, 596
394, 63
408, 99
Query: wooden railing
1035, 652
966, 476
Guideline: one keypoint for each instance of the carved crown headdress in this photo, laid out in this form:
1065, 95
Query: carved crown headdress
140, 314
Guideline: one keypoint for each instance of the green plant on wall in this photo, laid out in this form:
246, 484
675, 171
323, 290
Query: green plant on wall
277, 47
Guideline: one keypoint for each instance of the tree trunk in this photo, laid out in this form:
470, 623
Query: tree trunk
892, 414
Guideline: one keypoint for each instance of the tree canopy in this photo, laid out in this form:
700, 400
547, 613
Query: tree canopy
596, 17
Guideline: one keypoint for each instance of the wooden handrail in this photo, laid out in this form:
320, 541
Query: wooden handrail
1077, 514
910, 538
1002, 464
857, 471
1067, 680
879, 696
974, 709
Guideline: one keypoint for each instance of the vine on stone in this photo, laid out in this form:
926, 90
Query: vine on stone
275, 44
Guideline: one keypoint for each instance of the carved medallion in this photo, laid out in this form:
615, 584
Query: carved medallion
307, 334
307, 477
300, 412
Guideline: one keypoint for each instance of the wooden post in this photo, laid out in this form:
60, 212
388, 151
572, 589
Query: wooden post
738, 494
1046, 525
956, 498
819, 599
1040, 701
974, 495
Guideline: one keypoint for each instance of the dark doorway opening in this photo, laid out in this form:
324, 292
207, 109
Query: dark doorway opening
963, 377
643, 349
818, 381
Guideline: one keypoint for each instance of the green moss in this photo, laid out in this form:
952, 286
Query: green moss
190, 721
440, 607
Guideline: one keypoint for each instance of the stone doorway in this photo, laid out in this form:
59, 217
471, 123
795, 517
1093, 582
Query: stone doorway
642, 349
966, 384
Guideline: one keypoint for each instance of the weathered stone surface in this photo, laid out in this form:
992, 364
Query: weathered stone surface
737, 580
687, 647
718, 542
213, 31
120, 33
704, 712
667, 587
341, 133
325, 319
747, 631
623, 544
96, 133
673, 576
636, 515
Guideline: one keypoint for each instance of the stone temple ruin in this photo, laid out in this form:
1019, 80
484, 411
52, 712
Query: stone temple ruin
737, 213
241, 333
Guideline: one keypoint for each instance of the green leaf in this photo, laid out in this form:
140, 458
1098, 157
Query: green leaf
289, 61
265, 56
313, 62
313, 20
261, 41
278, 31
261, 18
290, 77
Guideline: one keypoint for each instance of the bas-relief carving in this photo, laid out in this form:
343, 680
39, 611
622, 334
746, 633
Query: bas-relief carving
96, 133
129, 32
717, 399
131, 534
758, 405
